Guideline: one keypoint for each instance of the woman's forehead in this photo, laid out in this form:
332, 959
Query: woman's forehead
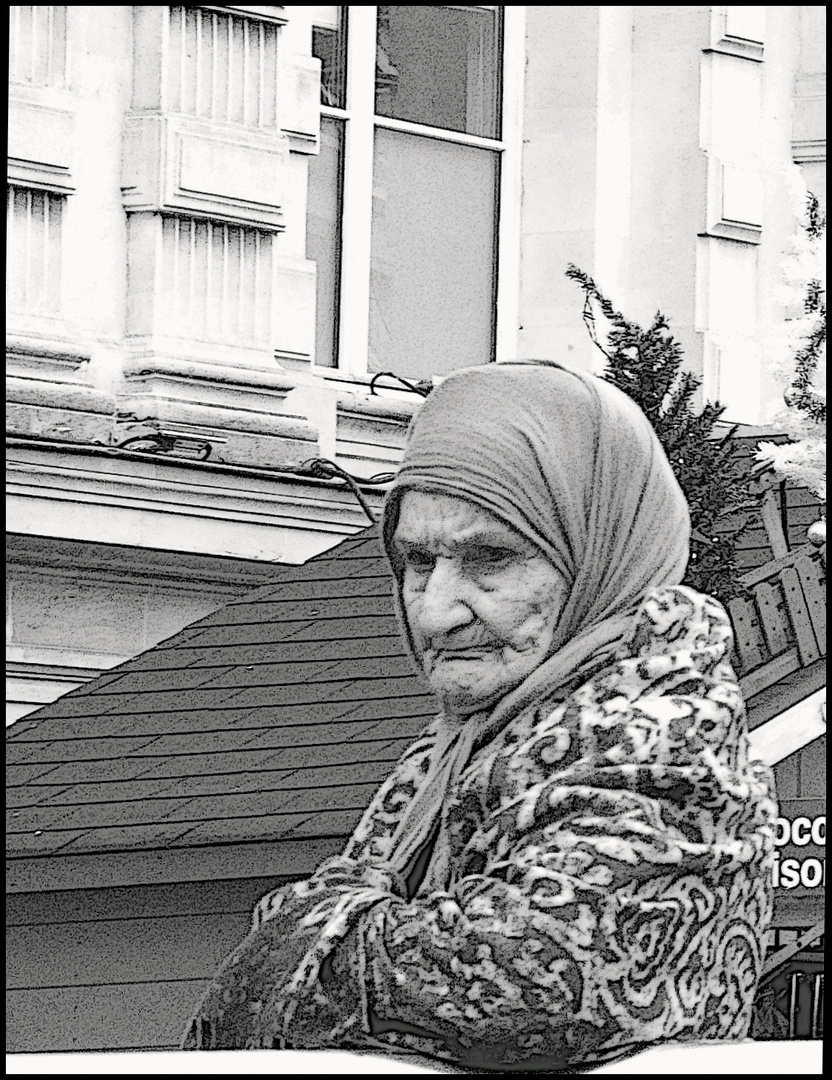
424, 516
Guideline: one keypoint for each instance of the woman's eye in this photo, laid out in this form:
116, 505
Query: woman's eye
489, 557
419, 560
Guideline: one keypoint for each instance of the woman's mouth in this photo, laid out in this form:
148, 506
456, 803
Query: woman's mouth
473, 653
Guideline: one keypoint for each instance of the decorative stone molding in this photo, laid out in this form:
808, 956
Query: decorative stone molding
34, 358
275, 15
371, 432
177, 165
40, 146
809, 122
737, 30
246, 416
805, 150
299, 94
46, 396
735, 201
59, 395
48, 420
205, 508
294, 344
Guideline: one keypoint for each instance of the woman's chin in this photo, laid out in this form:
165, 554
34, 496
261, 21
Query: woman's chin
464, 698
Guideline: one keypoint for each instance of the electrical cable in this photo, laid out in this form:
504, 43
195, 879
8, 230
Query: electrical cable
422, 389
161, 445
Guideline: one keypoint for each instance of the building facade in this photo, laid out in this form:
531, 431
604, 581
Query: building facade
224, 221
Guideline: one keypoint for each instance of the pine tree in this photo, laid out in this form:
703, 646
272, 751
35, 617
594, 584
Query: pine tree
646, 364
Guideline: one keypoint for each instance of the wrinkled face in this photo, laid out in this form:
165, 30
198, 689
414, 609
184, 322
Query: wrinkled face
482, 602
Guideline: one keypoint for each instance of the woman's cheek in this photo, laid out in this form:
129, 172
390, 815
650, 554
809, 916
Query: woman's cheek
532, 628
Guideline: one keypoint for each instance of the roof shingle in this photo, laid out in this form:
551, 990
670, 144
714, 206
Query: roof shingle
274, 718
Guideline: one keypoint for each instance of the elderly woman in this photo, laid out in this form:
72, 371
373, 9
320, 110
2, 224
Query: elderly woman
574, 859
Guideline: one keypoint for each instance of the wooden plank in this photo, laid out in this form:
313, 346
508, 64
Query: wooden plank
777, 959
804, 515
755, 536
753, 559
119, 951
747, 634
797, 911
801, 621
814, 593
770, 673
801, 496
785, 692
791, 732
774, 566
813, 770
773, 618
773, 523
787, 777
100, 1017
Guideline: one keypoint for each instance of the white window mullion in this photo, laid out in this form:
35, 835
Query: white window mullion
508, 258
358, 192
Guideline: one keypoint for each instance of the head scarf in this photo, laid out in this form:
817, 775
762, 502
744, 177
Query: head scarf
572, 464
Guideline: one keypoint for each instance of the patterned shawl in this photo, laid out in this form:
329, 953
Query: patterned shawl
601, 876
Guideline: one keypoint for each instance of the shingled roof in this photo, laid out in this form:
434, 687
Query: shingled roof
249, 743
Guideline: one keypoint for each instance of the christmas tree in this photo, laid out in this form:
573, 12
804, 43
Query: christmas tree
646, 364
798, 359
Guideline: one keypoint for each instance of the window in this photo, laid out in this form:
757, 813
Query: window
33, 251
216, 279
222, 67
37, 45
417, 152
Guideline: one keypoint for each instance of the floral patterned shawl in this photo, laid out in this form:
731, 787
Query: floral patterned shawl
607, 883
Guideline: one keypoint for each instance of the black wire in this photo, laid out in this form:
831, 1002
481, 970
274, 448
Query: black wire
323, 469
412, 387
319, 468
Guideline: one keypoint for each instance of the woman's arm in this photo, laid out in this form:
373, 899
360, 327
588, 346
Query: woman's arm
622, 902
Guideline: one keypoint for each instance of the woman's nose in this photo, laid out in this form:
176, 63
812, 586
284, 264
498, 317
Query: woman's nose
443, 608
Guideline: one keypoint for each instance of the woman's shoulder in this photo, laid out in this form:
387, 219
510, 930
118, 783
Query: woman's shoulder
678, 618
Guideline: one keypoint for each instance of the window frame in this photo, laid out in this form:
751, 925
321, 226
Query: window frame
359, 124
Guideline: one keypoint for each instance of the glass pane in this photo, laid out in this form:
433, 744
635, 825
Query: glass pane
329, 46
323, 236
432, 279
440, 66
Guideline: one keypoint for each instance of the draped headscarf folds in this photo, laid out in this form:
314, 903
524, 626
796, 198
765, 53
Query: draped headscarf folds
571, 463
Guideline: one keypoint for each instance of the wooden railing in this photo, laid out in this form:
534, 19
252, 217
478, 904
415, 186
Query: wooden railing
781, 627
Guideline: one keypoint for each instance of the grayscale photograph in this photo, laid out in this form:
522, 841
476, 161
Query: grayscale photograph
416, 539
